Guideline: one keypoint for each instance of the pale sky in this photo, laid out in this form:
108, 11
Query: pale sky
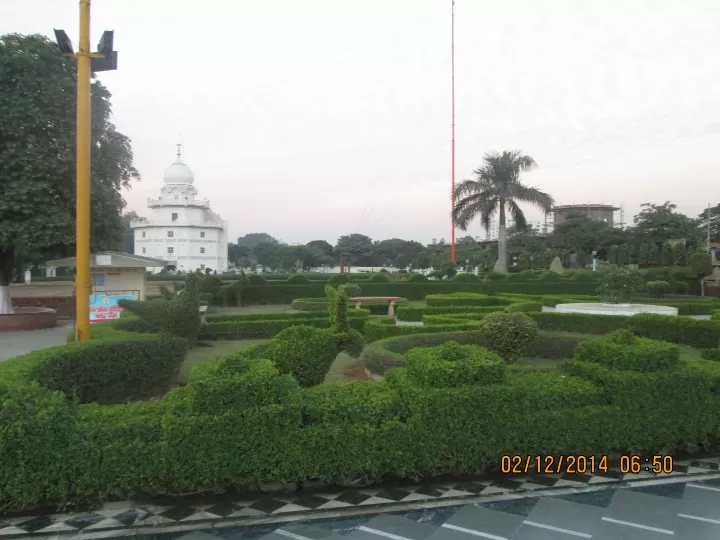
311, 119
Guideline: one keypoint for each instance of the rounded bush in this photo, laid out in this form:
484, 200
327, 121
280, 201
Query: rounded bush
549, 276
417, 278
508, 333
465, 278
492, 275
352, 289
657, 289
379, 278
305, 352
338, 279
298, 279
710, 354
681, 287
255, 279
452, 365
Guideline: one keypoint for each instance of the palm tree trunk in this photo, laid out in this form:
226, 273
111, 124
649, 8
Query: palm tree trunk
502, 241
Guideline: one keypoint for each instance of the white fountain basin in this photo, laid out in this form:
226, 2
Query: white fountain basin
627, 310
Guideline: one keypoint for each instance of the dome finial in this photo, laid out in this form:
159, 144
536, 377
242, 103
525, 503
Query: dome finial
179, 151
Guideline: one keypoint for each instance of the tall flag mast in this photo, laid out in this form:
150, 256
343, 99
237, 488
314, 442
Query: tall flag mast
452, 174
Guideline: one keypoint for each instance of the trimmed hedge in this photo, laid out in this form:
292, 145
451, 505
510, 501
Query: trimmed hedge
416, 313
240, 422
242, 317
621, 350
267, 328
112, 370
321, 304
385, 354
282, 293
453, 365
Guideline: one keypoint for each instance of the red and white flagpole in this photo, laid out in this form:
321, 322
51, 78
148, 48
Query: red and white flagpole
452, 159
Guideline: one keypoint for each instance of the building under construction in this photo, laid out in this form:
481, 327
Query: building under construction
599, 212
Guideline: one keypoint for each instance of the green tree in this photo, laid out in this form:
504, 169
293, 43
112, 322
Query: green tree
679, 254
714, 216
421, 262
37, 157
251, 240
497, 189
358, 246
659, 223
323, 246
401, 262
666, 254
581, 233
128, 233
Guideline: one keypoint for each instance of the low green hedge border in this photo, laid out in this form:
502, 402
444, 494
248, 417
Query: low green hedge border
702, 334
388, 353
242, 317
416, 313
320, 304
267, 328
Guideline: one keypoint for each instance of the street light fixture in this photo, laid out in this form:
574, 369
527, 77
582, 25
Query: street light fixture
104, 60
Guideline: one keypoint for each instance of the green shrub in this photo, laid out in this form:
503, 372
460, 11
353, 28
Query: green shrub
243, 317
508, 333
681, 287
256, 279
304, 352
465, 299
417, 278
549, 276
267, 328
379, 278
466, 278
657, 289
320, 304
338, 279
621, 351
179, 317
620, 285
452, 364
711, 354
492, 275
298, 279
352, 289
111, 370
583, 275
210, 285
165, 293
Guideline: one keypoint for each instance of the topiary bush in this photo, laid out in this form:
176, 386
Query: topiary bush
352, 289
621, 350
338, 279
178, 317
657, 289
681, 287
379, 278
298, 279
417, 278
711, 354
549, 276
452, 365
620, 285
256, 279
112, 370
466, 278
304, 352
508, 333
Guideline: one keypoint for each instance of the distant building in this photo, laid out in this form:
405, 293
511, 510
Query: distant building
182, 230
599, 212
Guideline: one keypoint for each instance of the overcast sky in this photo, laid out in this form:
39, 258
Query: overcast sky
315, 118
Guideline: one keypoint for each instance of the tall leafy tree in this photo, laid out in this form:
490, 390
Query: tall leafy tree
714, 217
496, 190
37, 157
358, 247
659, 223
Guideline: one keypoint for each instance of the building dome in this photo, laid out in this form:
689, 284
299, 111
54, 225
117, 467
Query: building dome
179, 173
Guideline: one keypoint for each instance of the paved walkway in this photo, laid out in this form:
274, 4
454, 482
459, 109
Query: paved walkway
14, 344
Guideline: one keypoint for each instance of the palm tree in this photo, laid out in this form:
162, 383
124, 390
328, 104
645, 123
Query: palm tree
497, 189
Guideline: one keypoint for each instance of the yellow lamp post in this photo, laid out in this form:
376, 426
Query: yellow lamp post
104, 60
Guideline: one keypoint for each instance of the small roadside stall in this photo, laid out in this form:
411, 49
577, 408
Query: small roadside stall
115, 276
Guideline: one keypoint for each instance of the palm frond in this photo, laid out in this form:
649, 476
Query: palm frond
517, 215
532, 195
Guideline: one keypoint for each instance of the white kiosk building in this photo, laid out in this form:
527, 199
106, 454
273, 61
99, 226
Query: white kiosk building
182, 230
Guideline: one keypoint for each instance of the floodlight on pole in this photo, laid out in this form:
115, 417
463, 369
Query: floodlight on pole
88, 62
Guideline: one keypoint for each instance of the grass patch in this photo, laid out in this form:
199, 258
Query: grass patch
335, 374
209, 350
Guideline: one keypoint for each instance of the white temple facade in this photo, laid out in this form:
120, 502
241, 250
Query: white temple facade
181, 228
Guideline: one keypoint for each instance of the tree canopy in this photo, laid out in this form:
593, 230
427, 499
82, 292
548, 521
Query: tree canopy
37, 155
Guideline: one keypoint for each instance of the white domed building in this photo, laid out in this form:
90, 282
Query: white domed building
181, 228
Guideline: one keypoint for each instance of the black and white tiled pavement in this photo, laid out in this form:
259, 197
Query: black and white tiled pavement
130, 518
